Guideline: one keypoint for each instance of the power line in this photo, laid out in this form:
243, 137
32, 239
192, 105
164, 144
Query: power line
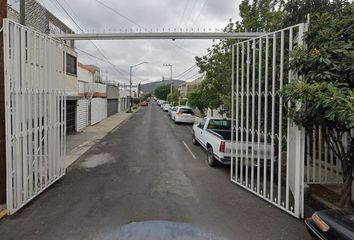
121, 72
200, 11
93, 56
140, 26
120, 14
192, 76
187, 71
184, 12
191, 12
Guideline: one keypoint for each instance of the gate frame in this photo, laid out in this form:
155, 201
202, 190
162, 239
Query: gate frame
21, 188
295, 132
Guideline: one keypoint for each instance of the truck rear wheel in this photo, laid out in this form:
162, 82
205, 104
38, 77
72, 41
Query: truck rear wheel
211, 158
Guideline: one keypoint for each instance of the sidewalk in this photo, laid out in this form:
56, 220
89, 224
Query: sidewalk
78, 143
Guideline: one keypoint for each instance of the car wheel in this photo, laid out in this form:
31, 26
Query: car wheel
211, 159
194, 141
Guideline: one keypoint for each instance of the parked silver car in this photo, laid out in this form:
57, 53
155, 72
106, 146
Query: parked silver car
172, 110
184, 114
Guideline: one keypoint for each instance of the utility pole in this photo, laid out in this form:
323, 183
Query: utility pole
130, 81
139, 90
3, 14
131, 70
22, 12
170, 65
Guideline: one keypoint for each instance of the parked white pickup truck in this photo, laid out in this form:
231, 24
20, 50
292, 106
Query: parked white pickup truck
214, 134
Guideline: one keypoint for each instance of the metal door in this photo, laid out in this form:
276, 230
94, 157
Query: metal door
112, 106
35, 113
70, 117
82, 114
269, 159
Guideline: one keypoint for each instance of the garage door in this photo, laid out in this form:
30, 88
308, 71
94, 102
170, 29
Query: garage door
70, 116
98, 110
112, 106
82, 112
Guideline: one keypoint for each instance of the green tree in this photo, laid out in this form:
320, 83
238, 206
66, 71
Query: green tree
173, 98
183, 102
204, 97
162, 91
323, 95
196, 100
136, 101
256, 16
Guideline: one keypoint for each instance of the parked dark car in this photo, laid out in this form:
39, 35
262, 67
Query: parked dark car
333, 224
144, 104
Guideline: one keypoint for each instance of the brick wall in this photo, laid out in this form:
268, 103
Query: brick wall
41, 19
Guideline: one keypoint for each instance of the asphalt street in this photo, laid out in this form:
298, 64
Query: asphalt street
146, 180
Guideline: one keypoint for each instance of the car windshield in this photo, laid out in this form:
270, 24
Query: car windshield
219, 124
186, 110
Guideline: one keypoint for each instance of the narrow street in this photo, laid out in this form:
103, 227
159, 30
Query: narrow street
143, 171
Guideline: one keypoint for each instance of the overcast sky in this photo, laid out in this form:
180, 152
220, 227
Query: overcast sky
93, 16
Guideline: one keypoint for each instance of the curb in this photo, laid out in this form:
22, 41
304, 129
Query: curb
324, 202
3, 213
120, 124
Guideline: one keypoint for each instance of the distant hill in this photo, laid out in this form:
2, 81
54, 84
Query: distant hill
150, 87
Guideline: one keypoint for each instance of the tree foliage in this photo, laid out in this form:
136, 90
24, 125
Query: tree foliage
162, 91
323, 95
204, 97
173, 98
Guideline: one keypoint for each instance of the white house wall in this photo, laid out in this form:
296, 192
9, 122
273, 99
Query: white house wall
98, 110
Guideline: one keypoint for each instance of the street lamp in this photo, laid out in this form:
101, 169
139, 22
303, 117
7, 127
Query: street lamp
131, 71
169, 65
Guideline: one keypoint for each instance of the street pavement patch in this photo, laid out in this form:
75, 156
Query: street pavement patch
96, 160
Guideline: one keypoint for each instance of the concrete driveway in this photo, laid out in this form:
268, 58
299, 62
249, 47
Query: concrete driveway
141, 182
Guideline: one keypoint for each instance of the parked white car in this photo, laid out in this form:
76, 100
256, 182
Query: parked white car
184, 114
162, 103
172, 110
214, 134
166, 107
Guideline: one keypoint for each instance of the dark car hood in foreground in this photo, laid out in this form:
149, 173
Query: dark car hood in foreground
339, 220
160, 230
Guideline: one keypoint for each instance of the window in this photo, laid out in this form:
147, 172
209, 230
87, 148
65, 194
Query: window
202, 123
71, 66
186, 110
219, 124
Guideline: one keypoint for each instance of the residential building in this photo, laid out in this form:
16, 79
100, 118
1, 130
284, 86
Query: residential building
187, 87
42, 20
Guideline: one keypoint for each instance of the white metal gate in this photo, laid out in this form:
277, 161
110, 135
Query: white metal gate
35, 113
82, 112
269, 161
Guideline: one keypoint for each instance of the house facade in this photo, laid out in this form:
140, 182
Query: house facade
187, 87
42, 20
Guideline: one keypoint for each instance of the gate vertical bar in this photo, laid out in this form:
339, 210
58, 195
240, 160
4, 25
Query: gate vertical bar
265, 116
247, 111
253, 108
259, 115
232, 110
237, 108
3, 129
273, 115
242, 110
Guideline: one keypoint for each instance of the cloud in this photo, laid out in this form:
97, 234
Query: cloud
150, 14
